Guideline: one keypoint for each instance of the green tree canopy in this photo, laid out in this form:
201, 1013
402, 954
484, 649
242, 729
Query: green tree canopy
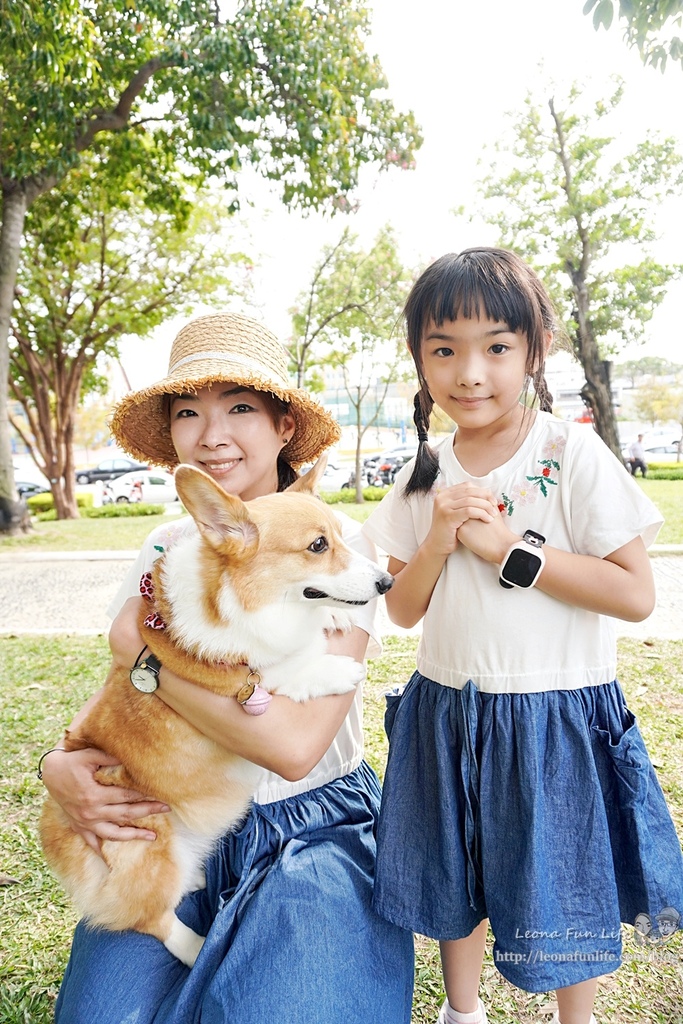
286, 86
647, 366
93, 270
347, 320
575, 208
649, 25
657, 403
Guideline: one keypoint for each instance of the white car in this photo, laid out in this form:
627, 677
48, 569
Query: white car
663, 453
335, 478
153, 486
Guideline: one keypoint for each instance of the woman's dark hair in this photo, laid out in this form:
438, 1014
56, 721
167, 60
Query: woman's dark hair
482, 282
277, 408
286, 474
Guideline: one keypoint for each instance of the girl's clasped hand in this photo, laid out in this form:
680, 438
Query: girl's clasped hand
453, 507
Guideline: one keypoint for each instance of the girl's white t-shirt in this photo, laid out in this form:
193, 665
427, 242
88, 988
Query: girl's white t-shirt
346, 750
565, 484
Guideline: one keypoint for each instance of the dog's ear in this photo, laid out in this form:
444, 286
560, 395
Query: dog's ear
222, 519
308, 483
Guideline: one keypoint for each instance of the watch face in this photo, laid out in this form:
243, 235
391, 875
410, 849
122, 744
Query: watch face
144, 679
521, 567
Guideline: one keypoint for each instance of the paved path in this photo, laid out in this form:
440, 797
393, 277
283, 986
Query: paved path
68, 592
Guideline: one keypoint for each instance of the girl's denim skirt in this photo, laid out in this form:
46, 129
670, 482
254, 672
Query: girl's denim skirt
540, 811
291, 933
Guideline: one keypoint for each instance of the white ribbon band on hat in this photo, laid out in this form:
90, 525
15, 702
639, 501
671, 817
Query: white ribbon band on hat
225, 357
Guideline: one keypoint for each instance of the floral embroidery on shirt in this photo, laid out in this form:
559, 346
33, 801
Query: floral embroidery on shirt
538, 483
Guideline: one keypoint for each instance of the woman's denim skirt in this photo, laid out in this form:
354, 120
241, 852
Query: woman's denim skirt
291, 933
540, 811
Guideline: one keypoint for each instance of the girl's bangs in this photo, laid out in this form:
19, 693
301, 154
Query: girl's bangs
469, 293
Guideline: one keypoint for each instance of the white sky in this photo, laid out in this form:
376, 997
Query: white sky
463, 68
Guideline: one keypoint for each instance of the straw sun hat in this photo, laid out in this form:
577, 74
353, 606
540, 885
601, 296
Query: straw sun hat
220, 347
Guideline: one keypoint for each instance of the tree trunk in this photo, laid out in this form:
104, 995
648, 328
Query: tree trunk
50, 404
597, 391
360, 431
597, 394
14, 206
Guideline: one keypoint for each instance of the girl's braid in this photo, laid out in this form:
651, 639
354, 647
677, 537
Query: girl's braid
426, 468
545, 399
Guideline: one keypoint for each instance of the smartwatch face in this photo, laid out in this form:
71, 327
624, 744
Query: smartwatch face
521, 567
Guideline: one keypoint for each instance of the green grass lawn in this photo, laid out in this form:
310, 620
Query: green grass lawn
44, 680
128, 534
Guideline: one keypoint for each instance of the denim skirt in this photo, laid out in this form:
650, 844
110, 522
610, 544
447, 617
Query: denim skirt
291, 933
540, 811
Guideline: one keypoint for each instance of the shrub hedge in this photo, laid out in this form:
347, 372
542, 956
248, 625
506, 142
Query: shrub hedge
665, 470
106, 511
40, 503
348, 495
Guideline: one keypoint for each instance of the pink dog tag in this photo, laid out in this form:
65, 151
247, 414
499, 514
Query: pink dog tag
258, 702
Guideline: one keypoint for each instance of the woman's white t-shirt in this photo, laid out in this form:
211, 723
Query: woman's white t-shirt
346, 751
565, 484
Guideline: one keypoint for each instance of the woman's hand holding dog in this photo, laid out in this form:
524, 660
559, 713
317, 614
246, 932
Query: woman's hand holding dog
95, 811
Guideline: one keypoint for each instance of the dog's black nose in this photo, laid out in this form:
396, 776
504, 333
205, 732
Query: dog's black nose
385, 583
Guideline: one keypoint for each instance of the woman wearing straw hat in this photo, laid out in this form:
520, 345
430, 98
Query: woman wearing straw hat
291, 935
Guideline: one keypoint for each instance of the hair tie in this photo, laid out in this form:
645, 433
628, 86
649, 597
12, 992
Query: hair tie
422, 436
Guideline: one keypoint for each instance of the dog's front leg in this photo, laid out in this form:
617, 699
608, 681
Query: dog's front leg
303, 678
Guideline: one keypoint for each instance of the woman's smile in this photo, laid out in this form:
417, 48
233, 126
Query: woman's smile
229, 431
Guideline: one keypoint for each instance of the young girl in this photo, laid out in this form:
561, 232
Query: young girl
518, 788
291, 933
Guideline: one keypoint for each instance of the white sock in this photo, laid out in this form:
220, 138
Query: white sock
452, 1016
556, 1019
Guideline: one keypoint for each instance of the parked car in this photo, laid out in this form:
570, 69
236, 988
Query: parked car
109, 469
335, 477
663, 453
372, 462
664, 449
384, 473
150, 485
25, 488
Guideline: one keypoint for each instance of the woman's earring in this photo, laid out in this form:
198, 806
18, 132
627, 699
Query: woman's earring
286, 441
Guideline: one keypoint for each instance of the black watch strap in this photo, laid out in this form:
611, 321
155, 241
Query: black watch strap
152, 662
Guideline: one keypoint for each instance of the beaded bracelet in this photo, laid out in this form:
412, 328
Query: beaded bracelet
43, 756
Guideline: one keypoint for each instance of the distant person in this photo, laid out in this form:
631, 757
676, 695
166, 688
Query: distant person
636, 454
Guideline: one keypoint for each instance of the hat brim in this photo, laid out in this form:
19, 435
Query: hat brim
141, 425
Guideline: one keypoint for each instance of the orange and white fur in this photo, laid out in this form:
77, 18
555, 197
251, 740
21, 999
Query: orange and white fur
258, 584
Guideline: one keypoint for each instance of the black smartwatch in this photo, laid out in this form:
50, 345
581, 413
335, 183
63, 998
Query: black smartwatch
522, 565
145, 674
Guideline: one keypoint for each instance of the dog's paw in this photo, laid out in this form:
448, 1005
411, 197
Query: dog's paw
340, 620
332, 673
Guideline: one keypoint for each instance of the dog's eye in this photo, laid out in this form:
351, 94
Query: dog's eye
318, 545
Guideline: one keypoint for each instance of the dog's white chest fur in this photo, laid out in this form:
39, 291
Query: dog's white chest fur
284, 640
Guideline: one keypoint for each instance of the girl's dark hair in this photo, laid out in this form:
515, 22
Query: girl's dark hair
482, 282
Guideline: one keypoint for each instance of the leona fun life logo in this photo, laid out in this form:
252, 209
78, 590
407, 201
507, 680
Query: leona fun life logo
658, 930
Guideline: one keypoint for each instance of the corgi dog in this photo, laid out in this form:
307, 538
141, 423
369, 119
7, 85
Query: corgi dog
257, 584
